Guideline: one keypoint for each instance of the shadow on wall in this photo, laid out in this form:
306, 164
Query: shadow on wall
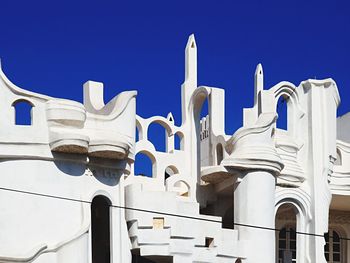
106, 176
69, 168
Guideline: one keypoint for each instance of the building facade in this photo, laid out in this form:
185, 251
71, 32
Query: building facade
70, 190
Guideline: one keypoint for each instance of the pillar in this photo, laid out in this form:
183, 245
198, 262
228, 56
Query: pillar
254, 202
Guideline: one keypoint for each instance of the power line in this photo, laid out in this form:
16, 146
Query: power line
161, 213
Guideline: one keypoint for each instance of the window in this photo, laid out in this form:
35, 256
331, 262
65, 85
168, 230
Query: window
332, 249
287, 245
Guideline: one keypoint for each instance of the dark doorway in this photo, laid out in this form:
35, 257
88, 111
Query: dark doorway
100, 227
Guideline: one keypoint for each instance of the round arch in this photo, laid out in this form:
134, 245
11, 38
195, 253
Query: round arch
301, 204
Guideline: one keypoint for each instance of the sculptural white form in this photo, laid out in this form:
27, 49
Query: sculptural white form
67, 178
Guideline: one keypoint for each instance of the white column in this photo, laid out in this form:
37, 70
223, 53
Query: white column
254, 204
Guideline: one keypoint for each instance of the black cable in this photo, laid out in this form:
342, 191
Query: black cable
162, 213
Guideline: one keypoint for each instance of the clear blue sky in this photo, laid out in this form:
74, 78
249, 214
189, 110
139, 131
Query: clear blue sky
53, 47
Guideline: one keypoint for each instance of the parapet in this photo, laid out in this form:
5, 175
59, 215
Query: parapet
92, 129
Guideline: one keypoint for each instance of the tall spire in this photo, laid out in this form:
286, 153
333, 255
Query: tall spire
191, 61
258, 82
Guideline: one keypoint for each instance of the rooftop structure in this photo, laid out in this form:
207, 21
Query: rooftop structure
70, 193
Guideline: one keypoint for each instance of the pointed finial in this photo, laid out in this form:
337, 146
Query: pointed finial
258, 82
191, 60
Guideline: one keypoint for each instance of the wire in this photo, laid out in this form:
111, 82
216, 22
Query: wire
162, 213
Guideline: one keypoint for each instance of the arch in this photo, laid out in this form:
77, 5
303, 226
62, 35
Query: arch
145, 164
168, 125
158, 135
197, 100
219, 153
23, 112
282, 111
100, 229
179, 141
183, 188
170, 171
335, 247
238, 260
286, 237
200, 108
301, 203
139, 128
288, 90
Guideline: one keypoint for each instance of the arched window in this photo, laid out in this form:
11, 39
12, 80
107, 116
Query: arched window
157, 135
281, 109
100, 230
23, 112
286, 237
144, 165
333, 247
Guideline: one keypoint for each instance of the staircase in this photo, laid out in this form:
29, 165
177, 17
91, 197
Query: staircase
178, 231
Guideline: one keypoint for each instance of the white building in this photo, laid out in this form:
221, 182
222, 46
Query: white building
69, 193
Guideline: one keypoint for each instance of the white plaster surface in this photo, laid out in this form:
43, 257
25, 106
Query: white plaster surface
204, 200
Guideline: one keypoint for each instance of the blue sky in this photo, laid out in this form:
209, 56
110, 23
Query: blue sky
53, 47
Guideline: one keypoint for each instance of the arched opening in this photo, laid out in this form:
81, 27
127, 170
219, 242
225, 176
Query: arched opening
144, 165
22, 112
282, 111
183, 189
238, 260
219, 153
100, 230
202, 120
170, 171
338, 161
179, 143
158, 136
286, 238
333, 247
